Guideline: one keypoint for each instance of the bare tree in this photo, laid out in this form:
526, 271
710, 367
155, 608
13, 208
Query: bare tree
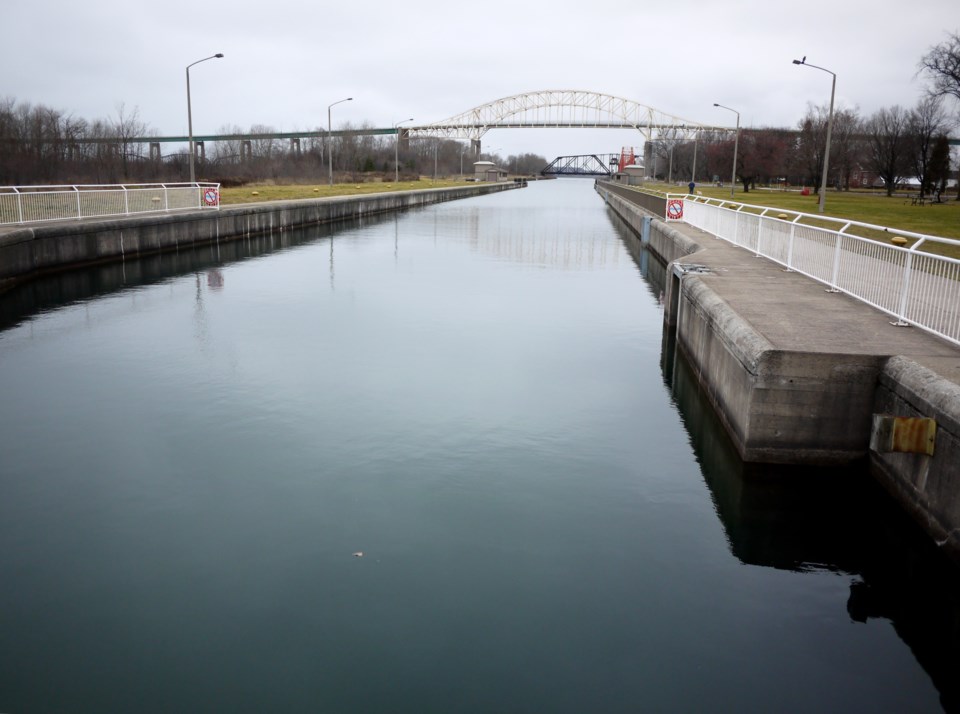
846, 147
927, 121
812, 141
127, 127
939, 169
942, 65
888, 145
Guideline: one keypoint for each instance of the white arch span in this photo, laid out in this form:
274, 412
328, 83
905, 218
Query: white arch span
559, 108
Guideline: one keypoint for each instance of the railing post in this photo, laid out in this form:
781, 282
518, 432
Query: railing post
836, 266
79, 210
166, 198
907, 272
19, 204
759, 235
126, 200
793, 227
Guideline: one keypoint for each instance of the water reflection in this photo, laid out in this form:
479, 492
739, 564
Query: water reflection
566, 244
191, 465
836, 520
52, 291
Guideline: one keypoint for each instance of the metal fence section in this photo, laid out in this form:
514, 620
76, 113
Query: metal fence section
30, 204
915, 286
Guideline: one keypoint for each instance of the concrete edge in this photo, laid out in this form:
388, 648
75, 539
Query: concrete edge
737, 335
685, 243
923, 387
35, 250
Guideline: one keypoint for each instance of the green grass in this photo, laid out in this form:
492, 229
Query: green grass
893, 212
254, 193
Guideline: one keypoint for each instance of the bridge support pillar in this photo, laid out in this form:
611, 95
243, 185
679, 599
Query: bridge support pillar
403, 137
295, 146
475, 144
199, 151
246, 150
155, 151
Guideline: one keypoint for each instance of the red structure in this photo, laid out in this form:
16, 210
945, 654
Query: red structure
627, 158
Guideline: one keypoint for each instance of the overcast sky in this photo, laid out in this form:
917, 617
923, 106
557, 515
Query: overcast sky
285, 61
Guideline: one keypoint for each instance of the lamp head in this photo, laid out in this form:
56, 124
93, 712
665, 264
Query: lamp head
801, 61
219, 54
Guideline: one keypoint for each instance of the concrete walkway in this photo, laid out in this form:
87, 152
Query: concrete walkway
795, 313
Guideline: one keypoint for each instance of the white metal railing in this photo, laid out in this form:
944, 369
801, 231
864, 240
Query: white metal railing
915, 286
30, 204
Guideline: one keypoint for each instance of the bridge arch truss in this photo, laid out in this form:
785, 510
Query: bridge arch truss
558, 108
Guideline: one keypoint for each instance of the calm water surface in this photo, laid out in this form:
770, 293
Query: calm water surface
479, 398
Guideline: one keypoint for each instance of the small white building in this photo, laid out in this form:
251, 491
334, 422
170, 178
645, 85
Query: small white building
631, 175
488, 171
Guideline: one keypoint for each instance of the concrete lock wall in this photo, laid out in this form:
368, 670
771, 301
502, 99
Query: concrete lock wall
31, 251
779, 406
928, 486
796, 407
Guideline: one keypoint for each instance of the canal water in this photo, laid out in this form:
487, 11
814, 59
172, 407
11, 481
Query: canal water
438, 461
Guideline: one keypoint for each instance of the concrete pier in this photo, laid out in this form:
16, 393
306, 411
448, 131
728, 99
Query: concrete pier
26, 252
797, 374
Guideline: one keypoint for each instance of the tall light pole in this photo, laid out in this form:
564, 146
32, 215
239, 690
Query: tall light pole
193, 175
396, 150
736, 144
826, 152
330, 129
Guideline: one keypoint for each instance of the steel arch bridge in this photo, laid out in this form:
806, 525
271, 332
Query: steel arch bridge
557, 108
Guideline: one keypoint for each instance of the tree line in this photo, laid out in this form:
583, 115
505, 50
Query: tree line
888, 148
41, 145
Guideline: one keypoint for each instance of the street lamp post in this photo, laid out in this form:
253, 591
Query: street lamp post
826, 152
193, 175
330, 129
736, 145
396, 150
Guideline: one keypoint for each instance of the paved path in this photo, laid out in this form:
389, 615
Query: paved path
794, 312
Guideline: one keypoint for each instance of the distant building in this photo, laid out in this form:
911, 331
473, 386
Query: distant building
488, 171
631, 175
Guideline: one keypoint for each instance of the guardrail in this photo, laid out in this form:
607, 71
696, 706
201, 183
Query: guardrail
31, 204
914, 286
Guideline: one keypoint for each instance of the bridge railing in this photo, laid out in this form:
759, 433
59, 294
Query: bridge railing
31, 204
912, 283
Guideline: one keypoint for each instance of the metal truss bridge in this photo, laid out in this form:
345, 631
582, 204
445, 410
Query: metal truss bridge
562, 109
584, 165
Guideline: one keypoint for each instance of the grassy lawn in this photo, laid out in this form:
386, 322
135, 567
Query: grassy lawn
253, 193
894, 212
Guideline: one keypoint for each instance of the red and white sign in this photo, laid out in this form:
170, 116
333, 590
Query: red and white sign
211, 197
675, 209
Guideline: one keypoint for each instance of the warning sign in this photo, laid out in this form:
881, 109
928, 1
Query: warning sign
675, 209
211, 197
